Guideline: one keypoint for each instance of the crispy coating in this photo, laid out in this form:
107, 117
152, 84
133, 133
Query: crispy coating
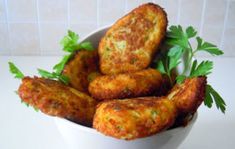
189, 95
56, 99
137, 84
129, 45
134, 118
81, 69
140, 117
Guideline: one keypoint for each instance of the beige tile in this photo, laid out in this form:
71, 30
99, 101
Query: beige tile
131, 4
162, 3
24, 39
110, 11
53, 10
229, 44
51, 34
22, 10
49, 52
231, 15
171, 8
215, 12
187, 16
2, 11
213, 35
83, 11
4, 49
103, 24
83, 29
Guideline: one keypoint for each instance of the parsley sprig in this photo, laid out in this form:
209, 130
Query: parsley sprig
180, 48
70, 44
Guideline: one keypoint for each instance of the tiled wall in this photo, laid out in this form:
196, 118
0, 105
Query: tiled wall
35, 27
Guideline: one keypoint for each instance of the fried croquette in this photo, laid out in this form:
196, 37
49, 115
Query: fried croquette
137, 84
82, 69
56, 99
141, 117
130, 44
189, 95
134, 118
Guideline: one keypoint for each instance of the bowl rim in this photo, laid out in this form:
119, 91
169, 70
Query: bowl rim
94, 131
104, 27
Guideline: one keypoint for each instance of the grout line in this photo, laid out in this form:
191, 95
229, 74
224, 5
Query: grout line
202, 17
225, 23
179, 11
97, 13
39, 27
8, 27
68, 15
32, 22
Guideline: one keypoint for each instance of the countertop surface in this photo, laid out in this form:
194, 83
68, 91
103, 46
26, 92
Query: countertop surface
23, 128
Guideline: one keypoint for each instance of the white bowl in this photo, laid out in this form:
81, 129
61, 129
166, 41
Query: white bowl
81, 137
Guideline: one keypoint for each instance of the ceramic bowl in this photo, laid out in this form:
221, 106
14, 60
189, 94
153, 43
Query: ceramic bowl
81, 137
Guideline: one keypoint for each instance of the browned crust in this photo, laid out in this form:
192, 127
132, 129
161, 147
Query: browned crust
142, 83
56, 99
127, 60
189, 95
80, 69
117, 118
134, 118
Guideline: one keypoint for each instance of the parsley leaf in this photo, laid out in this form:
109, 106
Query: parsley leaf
60, 66
175, 32
87, 45
53, 75
208, 47
174, 54
194, 65
69, 42
180, 79
160, 67
203, 69
15, 71
176, 36
208, 99
181, 48
63, 79
19, 75
212, 94
170, 61
46, 74
191, 32
175, 50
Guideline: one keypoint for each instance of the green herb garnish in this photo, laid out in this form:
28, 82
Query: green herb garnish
19, 75
15, 71
180, 47
212, 94
53, 75
70, 44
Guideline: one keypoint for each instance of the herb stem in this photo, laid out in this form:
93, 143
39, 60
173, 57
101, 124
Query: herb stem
168, 72
189, 56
